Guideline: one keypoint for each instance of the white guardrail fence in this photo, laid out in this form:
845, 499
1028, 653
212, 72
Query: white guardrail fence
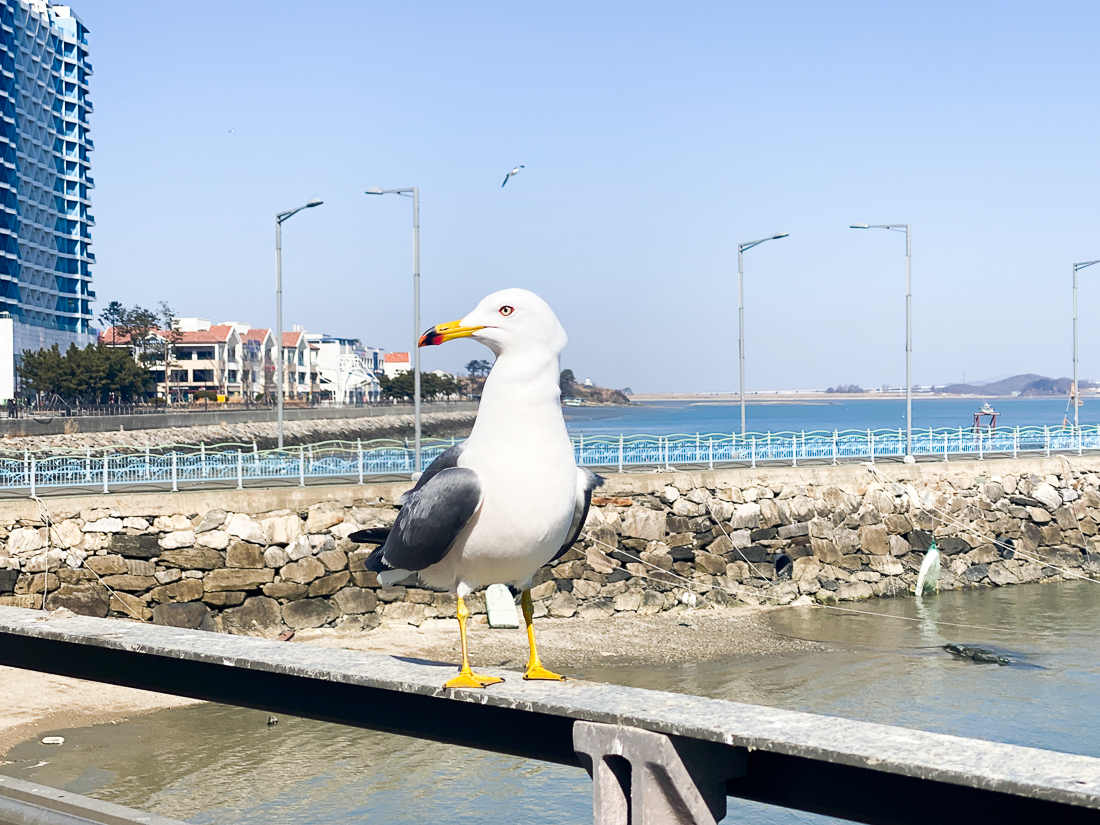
118, 467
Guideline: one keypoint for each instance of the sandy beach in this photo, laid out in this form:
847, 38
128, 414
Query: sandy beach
35, 704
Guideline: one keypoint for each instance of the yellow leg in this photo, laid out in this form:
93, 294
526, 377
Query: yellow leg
466, 678
535, 670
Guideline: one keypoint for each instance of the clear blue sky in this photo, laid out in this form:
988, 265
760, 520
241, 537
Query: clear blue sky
655, 138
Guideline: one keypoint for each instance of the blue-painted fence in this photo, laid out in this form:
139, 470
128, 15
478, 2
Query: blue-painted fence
175, 465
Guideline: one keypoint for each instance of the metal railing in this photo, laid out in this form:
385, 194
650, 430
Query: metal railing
175, 465
654, 757
831, 447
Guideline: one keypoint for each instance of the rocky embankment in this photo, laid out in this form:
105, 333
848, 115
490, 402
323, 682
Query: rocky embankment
653, 543
264, 433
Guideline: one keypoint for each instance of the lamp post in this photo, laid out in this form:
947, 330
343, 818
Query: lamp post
1076, 392
741, 247
904, 227
279, 218
414, 192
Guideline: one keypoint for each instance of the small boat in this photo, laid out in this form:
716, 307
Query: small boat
572, 402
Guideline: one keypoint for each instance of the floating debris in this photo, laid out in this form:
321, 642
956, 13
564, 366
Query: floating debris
977, 654
53, 740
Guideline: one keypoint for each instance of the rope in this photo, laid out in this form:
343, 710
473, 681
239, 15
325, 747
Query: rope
44, 513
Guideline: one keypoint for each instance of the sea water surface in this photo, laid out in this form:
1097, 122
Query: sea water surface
690, 417
211, 763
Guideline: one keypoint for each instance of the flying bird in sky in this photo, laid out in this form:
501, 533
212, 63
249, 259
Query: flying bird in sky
511, 498
515, 171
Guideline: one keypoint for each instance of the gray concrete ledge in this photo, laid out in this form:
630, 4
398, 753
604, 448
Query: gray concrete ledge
811, 753
25, 803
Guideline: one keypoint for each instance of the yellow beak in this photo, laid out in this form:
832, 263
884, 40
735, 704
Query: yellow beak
446, 332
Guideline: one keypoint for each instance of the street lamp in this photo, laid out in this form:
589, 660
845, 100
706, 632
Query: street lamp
1076, 392
414, 192
279, 218
904, 227
741, 309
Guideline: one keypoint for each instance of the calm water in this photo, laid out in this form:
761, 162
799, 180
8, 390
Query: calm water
670, 417
217, 764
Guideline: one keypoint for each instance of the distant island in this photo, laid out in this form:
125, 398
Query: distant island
1024, 385
588, 393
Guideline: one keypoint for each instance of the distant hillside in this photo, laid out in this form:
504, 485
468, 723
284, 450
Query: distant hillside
1027, 384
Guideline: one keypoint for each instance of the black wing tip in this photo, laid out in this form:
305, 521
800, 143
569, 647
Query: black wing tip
373, 535
594, 479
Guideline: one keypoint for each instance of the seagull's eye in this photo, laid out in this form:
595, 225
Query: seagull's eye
507, 310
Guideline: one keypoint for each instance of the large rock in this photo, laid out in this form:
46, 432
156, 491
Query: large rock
299, 548
333, 560
192, 559
563, 605
214, 539
825, 551
84, 599
183, 590
134, 584
886, 565
178, 539
324, 515
746, 516
192, 615
874, 539
109, 565
211, 521
282, 529
1048, 496
171, 524
854, 590
245, 528
312, 613
355, 600
104, 525
303, 571
258, 616
327, 585
68, 533
643, 523
275, 557
238, 578
134, 547
243, 554
287, 591
24, 540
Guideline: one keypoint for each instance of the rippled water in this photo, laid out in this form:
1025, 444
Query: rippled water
212, 763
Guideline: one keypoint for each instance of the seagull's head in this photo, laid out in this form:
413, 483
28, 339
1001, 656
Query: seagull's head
512, 319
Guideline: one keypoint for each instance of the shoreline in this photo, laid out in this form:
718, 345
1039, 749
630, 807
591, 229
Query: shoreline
34, 704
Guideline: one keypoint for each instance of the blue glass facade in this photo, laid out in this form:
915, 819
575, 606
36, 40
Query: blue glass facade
45, 180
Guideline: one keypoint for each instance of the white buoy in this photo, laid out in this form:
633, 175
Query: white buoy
929, 576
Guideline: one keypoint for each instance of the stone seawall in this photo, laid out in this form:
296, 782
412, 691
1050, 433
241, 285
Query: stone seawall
437, 421
266, 562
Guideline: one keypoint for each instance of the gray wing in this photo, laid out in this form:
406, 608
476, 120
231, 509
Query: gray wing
447, 458
586, 483
434, 514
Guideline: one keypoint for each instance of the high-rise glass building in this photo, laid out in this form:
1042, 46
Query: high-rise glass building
45, 182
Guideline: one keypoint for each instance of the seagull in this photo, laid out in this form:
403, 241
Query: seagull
514, 171
511, 498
